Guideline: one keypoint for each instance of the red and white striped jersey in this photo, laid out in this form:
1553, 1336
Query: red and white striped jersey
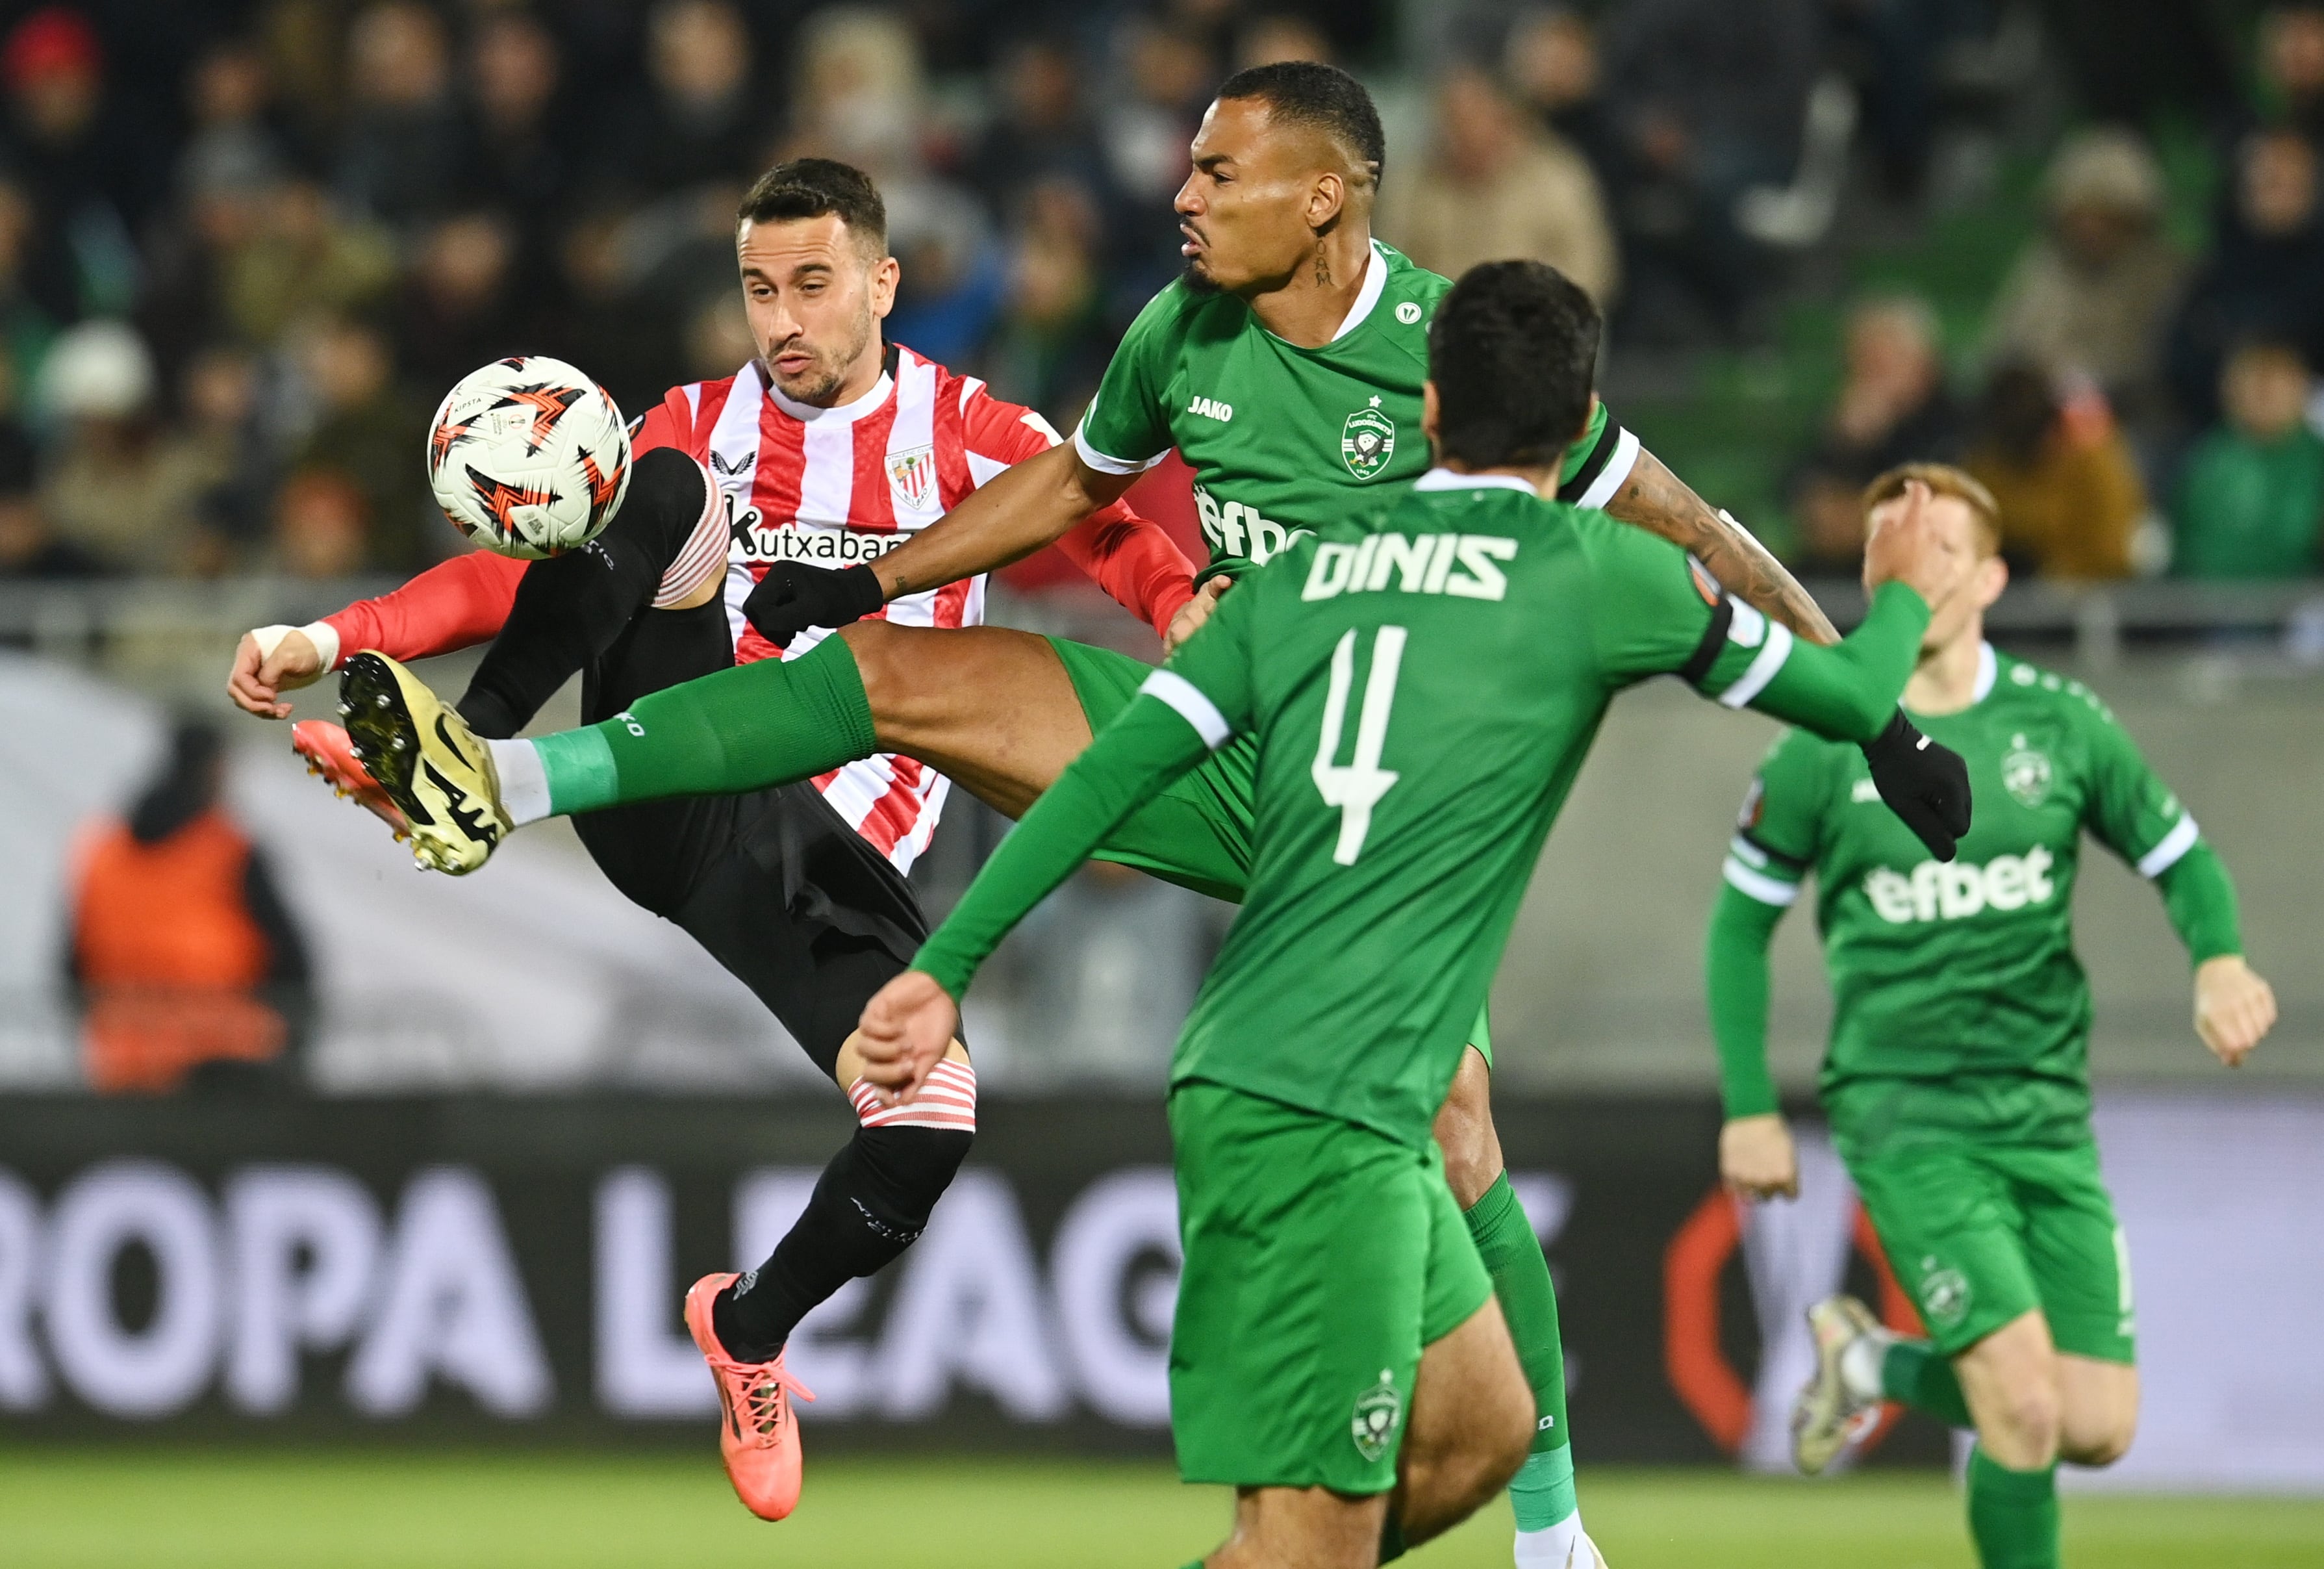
828, 486
836, 487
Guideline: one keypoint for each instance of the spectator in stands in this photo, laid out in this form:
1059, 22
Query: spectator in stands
702, 117
2070, 497
1279, 36
1040, 130
189, 968
1495, 185
404, 151
320, 524
72, 153
1712, 97
26, 326
219, 402
1051, 344
2292, 69
1551, 57
231, 145
29, 548
302, 257
2251, 502
1894, 408
460, 304
2264, 277
1145, 122
2090, 294
372, 431
115, 484
521, 158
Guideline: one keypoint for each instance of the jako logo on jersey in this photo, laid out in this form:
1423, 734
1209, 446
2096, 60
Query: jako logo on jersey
755, 541
1211, 408
1940, 890
1420, 564
1236, 529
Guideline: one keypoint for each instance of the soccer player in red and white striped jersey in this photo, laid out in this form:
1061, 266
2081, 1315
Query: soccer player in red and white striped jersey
830, 449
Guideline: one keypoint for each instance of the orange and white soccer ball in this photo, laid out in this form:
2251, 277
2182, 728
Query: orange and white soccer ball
528, 458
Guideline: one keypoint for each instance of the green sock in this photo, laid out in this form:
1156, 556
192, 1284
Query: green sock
1915, 1373
743, 729
1542, 1491
2013, 1515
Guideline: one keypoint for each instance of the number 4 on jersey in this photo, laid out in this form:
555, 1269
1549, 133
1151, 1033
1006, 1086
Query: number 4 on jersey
1356, 787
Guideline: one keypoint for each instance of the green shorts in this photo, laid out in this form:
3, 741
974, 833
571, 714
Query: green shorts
1320, 1258
1197, 833
1979, 1233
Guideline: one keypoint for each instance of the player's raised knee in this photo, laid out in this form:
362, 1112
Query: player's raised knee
2100, 1440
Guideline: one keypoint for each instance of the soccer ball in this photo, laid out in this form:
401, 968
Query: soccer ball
528, 458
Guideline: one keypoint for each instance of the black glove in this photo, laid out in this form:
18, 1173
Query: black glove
1925, 784
794, 597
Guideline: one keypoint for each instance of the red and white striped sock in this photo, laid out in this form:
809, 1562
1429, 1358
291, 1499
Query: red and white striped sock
948, 1100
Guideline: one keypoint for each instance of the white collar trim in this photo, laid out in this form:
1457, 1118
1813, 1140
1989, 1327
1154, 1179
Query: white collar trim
1446, 479
1375, 279
843, 414
1988, 667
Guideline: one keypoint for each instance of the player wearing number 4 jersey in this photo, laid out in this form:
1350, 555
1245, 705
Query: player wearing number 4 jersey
1420, 683
1286, 367
1957, 1079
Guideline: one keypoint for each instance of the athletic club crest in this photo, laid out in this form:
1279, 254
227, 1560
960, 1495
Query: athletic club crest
913, 474
2025, 773
1378, 1411
1367, 440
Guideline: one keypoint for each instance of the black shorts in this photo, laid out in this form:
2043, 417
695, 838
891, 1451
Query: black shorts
804, 912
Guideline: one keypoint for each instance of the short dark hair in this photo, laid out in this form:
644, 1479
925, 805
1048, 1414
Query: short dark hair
810, 188
1306, 92
1512, 351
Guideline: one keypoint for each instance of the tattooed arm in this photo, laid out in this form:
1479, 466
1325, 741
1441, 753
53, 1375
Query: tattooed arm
1659, 502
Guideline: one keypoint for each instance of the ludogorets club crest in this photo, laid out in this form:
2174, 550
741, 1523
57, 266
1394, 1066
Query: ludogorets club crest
2025, 773
1378, 1411
1367, 441
1944, 1293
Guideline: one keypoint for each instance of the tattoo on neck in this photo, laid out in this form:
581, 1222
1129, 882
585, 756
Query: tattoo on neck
1323, 271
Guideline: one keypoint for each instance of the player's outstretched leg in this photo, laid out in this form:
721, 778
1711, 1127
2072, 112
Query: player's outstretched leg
421, 752
1550, 1534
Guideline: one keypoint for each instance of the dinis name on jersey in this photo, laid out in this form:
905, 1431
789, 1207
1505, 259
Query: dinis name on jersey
1463, 564
1955, 891
757, 542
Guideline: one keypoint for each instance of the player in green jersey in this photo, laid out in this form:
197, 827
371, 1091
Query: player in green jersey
1421, 683
1311, 322
1957, 1078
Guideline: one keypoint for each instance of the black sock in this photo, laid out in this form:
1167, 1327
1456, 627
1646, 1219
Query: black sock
570, 609
871, 1203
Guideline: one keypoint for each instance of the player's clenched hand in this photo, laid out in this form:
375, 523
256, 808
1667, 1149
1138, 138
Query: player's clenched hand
261, 676
1755, 1158
1195, 612
907, 1028
794, 597
1925, 784
2234, 1007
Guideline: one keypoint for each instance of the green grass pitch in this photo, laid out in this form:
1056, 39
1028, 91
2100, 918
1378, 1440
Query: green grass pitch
97, 1507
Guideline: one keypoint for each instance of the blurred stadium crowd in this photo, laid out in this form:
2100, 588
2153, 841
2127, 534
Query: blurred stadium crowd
244, 246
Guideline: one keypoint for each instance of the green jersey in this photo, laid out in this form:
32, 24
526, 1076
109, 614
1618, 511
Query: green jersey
1279, 436
1958, 983
1422, 684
